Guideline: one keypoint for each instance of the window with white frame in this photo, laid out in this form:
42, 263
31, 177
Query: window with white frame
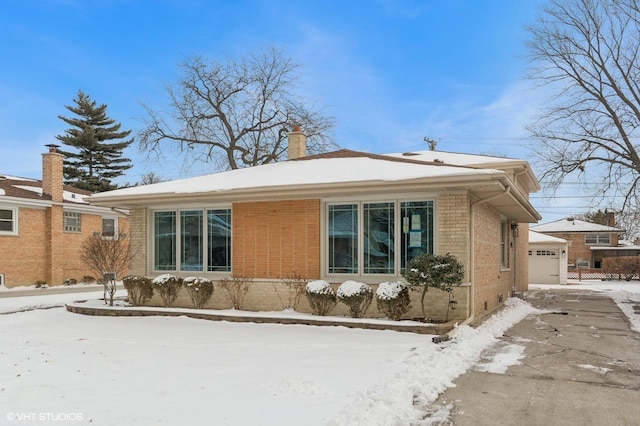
377, 238
72, 222
504, 244
597, 239
192, 240
108, 227
8, 221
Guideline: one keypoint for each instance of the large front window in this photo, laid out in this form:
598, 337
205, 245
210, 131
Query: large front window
362, 238
192, 240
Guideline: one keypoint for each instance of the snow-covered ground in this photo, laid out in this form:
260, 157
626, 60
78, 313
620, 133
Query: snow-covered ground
63, 368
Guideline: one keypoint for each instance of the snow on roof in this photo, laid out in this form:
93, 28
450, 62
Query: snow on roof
573, 225
299, 173
537, 237
454, 158
66, 195
8, 177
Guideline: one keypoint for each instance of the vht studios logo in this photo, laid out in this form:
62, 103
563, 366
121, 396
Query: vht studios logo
44, 417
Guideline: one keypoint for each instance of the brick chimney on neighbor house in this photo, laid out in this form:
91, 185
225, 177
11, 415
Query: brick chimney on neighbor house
297, 143
611, 218
52, 178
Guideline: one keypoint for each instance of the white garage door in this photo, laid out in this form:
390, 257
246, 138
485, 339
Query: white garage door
544, 265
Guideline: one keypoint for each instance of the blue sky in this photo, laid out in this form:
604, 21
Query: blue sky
391, 72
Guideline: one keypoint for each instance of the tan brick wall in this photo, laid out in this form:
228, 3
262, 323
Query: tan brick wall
266, 295
492, 283
453, 229
138, 234
23, 258
43, 251
276, 239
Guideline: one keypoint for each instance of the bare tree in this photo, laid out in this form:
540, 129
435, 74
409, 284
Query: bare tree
587, 53
109, 257
235, 113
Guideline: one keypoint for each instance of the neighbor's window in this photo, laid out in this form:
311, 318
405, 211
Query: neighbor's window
504, 244
72, 222
8, 221
361, 237
597, 239
204, 237
108, 227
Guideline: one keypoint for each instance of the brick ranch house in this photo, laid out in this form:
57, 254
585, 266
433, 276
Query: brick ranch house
43, 223
340, 216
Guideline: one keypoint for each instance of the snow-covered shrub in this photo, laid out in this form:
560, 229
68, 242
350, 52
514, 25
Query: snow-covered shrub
357, 296
236, 288
441, 271
88, 279
392, 299
70, 281
321, 297
200, 290
139, 289
168, 286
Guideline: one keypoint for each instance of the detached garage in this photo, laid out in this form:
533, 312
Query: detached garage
547, 259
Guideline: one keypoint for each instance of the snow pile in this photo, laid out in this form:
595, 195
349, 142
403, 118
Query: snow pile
352, 288
318, 287
163, 279
390, 290
427, 373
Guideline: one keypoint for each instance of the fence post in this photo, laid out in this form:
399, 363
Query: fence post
579, 274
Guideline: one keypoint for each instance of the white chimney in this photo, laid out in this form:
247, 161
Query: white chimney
297, 143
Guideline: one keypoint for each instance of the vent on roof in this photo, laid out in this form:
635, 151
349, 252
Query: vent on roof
409, 154
437, 160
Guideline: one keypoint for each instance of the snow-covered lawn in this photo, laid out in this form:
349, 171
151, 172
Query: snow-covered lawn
63, 368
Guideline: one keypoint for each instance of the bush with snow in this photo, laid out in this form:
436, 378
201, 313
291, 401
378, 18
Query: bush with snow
200, 290
357, 296
168, 286
392, 299
139, 289
441, 271
321, 297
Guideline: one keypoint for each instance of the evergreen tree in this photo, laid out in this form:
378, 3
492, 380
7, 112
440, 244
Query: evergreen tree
96, 162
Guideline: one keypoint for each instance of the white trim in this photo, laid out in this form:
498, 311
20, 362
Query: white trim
15, 220
178, 243
397, 200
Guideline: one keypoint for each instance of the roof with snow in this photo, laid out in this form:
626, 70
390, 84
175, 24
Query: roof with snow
342, 172
31, 189
539, 238
569, 225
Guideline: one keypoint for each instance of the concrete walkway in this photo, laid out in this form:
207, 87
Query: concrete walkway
581, 366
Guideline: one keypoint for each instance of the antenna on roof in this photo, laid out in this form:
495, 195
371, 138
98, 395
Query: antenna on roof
432, 144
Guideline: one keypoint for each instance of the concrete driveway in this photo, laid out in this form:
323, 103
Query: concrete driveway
581, 366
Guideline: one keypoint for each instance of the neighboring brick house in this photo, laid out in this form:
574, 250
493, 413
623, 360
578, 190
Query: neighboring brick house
589, 243
340, 216
43, 223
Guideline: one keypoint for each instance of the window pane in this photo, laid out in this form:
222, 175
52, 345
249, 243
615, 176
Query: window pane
191, 240
108, 227
590, 239
417, 230
219, 240
6, 220
165, 241
343, 238
378, 238
72, 222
